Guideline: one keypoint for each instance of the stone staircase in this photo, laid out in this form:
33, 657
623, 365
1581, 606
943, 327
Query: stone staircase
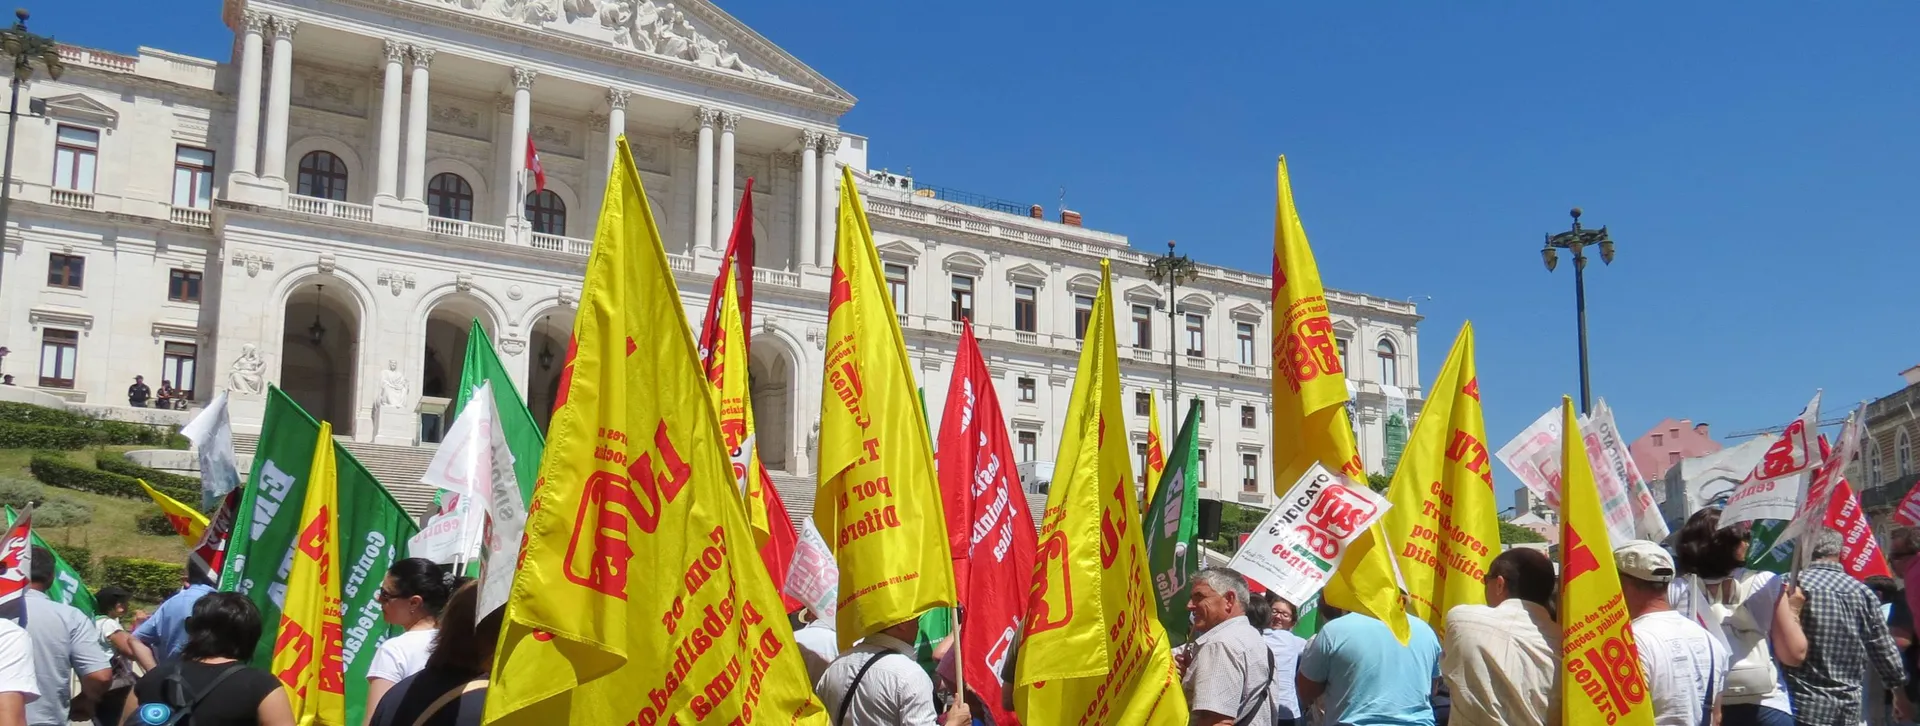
398, 468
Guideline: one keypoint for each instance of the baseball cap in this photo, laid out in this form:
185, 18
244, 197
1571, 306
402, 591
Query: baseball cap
1644, 560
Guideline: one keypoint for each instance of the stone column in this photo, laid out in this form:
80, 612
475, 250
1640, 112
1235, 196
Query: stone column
829, 197
703, 180
514, 202
616, 122
417, 110
390, 121
723, 207
809, 195
246, 125
273, 157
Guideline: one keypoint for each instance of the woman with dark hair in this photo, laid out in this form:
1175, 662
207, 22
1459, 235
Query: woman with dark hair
412, 596
211, 678
110, 604
452, 689
1719, 590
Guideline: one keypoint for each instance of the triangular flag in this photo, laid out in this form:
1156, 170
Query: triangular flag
1172, 528
188, 522
1600, 677
308, 653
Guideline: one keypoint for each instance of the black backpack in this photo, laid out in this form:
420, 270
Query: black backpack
177, 700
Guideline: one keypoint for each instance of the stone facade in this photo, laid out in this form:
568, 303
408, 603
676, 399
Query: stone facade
1886, 467
327, 212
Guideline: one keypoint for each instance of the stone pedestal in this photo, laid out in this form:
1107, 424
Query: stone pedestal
262, 191
400, 213
395, 426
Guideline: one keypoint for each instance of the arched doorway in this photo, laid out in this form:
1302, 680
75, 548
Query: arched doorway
320, 351
771, 376
546, 355
445, 352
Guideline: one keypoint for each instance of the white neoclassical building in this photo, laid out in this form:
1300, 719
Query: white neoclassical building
328, 209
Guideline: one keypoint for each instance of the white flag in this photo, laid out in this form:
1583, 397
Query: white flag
506, 521
212, 435
1778, 483
463, 469
814, 577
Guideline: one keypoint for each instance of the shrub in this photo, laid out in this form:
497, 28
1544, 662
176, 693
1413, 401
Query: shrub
154, 522
148, 580
37, 436
98, 430
58, 512
118, 464
80, 557
18, 493
27, 413
55, 470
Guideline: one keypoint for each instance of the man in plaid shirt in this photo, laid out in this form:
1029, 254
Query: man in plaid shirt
1826, 630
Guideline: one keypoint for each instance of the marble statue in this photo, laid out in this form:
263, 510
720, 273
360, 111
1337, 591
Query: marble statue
244, 377
393, 386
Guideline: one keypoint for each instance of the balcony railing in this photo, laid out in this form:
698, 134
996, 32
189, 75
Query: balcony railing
330, 208
557, 243
469, 230
1021, 336
782, 278
70, 198
191, 217
680, 263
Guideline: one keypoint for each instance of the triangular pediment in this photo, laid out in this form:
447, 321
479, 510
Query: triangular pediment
82, 108
693, 34
1027, 274
1143, 293
897, 251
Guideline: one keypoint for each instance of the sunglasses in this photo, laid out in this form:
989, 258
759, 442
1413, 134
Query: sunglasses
384, 596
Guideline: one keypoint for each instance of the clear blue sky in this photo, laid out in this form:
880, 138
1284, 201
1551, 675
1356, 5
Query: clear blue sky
1757, 163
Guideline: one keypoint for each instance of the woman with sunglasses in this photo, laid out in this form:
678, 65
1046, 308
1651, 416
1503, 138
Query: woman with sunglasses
411, 597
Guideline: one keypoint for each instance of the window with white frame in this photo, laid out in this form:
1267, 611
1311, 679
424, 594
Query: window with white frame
59, 352
76, 154
1389, 363
1140, 461
1142, 327
1244, 333
962, 297
192, 177
1082, 315
1026, 308
1250, 472
1142, 403
1027, 393
1202, 460
1029, 444
177, 366
897, 287
1196, 334
1873, 464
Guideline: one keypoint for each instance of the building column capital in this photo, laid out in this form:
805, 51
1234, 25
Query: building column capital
393, 51
617, 99
523, 78
810, 139
422, 56
284, 27
706, 116
829, 142
728, 120
256, 22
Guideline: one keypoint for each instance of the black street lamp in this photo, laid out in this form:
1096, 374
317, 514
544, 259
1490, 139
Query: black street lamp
25, 49
1171, 270
1577, 240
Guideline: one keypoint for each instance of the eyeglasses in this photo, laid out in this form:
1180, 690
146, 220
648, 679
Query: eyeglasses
384, 595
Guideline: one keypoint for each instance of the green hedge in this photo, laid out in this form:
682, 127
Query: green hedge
154, 522
148, 580
79, 556
103, 431
163, 481
27, 413
37, 436
55, 470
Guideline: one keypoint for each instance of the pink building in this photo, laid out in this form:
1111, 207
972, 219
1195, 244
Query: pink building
1666, 444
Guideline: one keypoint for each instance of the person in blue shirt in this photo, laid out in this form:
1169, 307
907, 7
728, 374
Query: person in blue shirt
1362, 676
165, 633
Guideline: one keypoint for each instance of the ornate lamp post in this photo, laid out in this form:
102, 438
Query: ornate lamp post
1577, 240
1171, 270
24, 49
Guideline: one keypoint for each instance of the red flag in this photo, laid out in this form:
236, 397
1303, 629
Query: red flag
534, 167
989, 530
207, 557
16, 557
1908, 512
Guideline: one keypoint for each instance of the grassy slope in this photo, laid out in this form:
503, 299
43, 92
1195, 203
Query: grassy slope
112, 531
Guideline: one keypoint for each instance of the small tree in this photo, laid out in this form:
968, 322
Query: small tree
1511, 533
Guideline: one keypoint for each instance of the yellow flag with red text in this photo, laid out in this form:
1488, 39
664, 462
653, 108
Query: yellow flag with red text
1310, 414
1094, 651
188, 522
732, 396
640, 597
1600, 677
1445, 524
308, 651
879, 503
1156, 447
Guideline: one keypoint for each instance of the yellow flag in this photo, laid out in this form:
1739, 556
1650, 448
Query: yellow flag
1444, 523
1600, 678
1156, 458
732, 397
1310, 414
1094, 651
188, 522
640, 597
308, 653
879, 501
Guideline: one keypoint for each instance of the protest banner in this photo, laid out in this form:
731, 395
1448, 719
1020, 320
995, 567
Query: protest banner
1172, 528
1094, 651
639, 596
1614, 463
1534, 456
307, 657
1298, 547
16, 562
1908, 513
1778, 485
1156, 462
212, 435
461, 471
1600, 677
814, 578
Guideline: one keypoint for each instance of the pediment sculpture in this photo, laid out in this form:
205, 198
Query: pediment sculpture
647, 26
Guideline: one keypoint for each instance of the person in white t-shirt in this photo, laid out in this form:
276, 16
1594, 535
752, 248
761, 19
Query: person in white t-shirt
1714, 588
819, 644
411, 597
17, 685
1685, 667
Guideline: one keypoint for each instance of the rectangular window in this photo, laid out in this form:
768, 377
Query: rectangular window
1196, 334
1203, 468
1673, 457
1026, 308
1142, 403
1657, 440
1250, 472
76, 151
1027, 394
1345, 365
1029, 446
1140, 461
1244, 331
183, 286
1246, 417
897, 287
962, 297
1203, 410
177, 367
192, 177
1082, 315
59, 351
65, 270
1142, 327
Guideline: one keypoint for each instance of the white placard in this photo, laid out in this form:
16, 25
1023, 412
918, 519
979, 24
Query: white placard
1298, 547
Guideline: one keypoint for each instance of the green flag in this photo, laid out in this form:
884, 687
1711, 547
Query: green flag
1766, 552
1172, 523
1307, 622
67, 587
373, 531
516, 421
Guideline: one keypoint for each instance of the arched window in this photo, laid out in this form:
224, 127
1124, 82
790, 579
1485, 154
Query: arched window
547, 213
450, 197
323, 176
1903, 453
1389, 363
1873, 464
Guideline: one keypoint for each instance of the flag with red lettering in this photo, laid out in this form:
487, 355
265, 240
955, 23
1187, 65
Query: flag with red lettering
640, 597
989, 530
1778, 487
309, 655
210, 553
1908, 513
1600, 677
16, 564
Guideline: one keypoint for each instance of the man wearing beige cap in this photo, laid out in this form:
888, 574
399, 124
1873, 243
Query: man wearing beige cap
1685, 667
